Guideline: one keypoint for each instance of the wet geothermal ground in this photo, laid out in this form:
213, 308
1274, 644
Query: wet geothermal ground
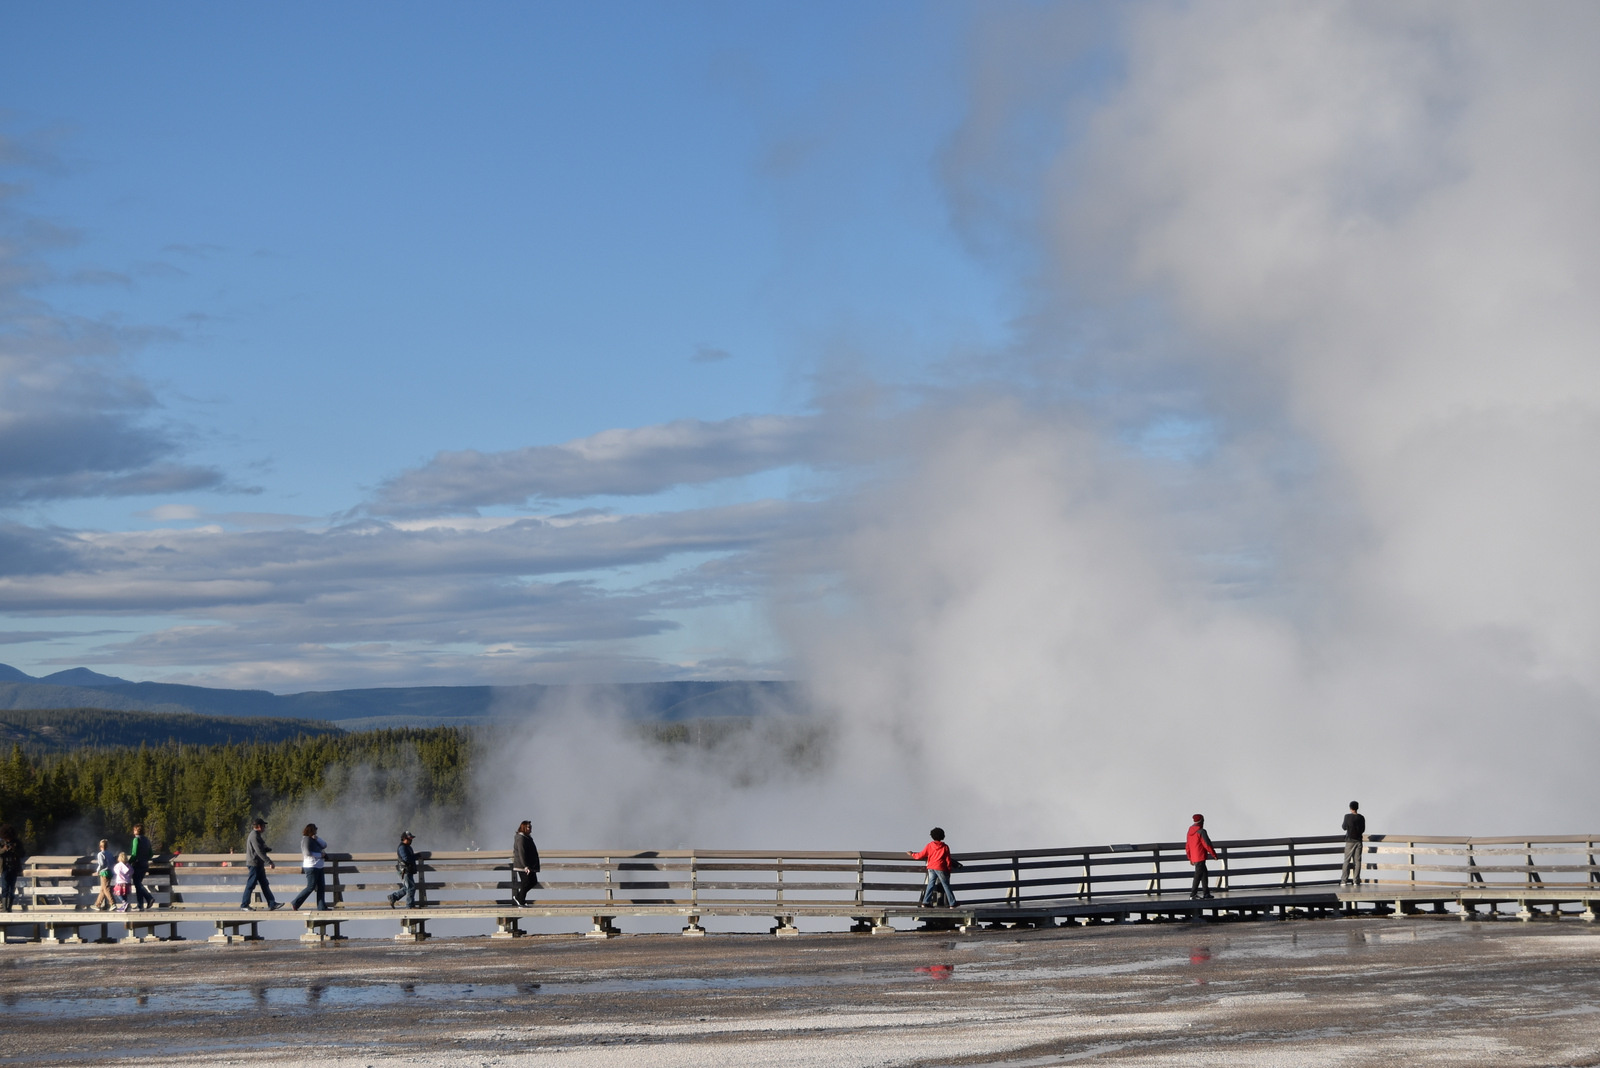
1355, 992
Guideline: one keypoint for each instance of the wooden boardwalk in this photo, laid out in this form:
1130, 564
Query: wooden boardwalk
874, 890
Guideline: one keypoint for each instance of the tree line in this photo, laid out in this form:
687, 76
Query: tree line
199, 798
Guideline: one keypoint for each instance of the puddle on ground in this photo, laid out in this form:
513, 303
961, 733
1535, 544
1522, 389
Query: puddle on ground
322, 996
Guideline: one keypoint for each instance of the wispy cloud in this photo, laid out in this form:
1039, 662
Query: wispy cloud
74, 421
625, 462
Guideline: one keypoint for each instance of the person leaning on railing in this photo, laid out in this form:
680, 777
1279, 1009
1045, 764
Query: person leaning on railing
937, 855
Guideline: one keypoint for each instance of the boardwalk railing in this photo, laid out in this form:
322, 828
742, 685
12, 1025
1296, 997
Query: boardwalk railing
999, 886
760, 882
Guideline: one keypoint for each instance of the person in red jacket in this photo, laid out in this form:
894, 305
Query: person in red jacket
1199, 849
937, 854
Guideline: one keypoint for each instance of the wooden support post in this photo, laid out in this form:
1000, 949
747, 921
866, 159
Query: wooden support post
785, 928
969, 925
508, 927
694, 930
861, 925
1468, 910
1524, 913
881, 926
317, 931
54, 936
1587, 915
412, 929
603, 928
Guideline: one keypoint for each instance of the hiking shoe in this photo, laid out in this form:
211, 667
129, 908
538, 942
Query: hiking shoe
275, 906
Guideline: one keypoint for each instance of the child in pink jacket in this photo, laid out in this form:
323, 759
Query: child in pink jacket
121, 879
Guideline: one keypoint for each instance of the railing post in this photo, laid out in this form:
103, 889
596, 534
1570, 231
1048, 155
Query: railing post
1222, 855
778, 867
861, 879
1155, 871
610, 892
1088, 882
694, 880
1533, 874
1291, 877
1016, 881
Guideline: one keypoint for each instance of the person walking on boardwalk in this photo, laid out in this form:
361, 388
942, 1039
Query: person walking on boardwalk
103, 863
257, 857
121, 879
406, 864
312, 849
1199, 849
1355, 841
140, 853
11, 857
937, 856
524, 864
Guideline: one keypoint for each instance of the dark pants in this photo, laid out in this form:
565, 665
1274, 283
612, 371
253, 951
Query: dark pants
408, 890
257, 877
1352, 861
314, 884
140, 894
521, 883
1202, 880
8, 889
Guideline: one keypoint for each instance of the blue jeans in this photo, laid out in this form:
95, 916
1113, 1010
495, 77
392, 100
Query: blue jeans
408, 890
314, 884
8, 890
257, 877
938, 878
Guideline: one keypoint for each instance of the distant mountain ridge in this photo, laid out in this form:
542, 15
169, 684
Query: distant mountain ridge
411, 706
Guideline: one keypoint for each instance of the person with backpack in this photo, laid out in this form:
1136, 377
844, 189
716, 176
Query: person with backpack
11, 857
103, 863
312, 849
257, 857
140, 854
406, 863
1199, 850
937, 856
524, 864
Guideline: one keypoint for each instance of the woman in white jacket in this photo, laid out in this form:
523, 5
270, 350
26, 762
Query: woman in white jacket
311, 850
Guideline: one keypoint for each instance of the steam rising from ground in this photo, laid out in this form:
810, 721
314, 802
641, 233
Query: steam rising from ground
1288, 495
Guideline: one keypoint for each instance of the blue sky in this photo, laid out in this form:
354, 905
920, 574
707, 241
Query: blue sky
329, 243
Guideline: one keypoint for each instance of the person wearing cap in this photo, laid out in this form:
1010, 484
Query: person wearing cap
258, 860
1198, 847
406, 864
524, 864
1355, 833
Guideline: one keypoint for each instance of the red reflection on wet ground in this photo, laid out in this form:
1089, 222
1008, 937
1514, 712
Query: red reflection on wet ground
937, 971
1199, 955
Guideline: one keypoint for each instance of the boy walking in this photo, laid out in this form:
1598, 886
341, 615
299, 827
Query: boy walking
937, 855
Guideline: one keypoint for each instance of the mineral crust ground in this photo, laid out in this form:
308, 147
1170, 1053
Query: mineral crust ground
1356, 992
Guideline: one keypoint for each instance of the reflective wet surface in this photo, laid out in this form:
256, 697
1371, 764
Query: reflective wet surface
1302, 992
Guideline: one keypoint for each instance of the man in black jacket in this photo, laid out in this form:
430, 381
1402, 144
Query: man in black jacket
405, 862
258, 859
139, 856
1355, 829
524, 864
